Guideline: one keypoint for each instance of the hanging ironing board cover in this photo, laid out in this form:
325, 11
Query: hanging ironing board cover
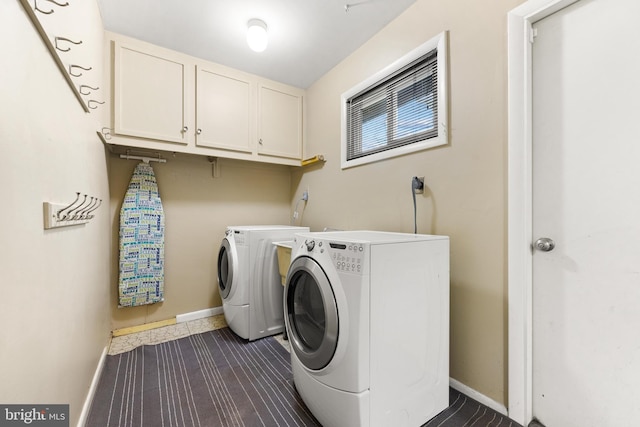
141, 278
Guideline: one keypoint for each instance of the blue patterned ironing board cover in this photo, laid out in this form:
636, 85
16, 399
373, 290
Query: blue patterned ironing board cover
141, 278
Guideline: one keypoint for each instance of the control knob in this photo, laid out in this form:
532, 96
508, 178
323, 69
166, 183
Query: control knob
310, 244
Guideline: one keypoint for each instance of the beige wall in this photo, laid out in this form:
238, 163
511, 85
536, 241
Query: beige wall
54, 284
465, 195
197, 209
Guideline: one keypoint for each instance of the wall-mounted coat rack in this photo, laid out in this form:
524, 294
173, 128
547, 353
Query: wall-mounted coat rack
80, 211
65, 51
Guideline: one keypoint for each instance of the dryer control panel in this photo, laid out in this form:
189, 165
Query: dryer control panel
347, 257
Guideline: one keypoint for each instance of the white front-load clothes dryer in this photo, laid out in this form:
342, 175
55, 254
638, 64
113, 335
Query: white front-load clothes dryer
367, 315
249, 280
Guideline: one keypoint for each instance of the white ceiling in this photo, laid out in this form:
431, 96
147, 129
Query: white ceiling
306, 37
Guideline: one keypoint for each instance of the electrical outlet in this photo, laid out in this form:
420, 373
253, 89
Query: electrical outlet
419, 187
305, 195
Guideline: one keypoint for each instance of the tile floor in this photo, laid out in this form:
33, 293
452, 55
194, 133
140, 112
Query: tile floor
128, 342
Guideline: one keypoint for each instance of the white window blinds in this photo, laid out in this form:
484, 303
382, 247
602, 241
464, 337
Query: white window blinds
398, 111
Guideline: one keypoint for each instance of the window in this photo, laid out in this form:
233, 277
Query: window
399, 110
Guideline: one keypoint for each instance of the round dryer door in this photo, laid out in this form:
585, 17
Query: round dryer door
227, 265
311, 313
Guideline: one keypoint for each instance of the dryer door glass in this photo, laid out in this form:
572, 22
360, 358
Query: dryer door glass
311, 313
226, 267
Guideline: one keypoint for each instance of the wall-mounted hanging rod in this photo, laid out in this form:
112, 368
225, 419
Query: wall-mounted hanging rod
144, 158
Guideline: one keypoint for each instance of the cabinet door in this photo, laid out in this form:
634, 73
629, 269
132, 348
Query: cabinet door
279, 121
223, 112
149, 95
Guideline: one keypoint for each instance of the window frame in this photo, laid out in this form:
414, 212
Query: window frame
440, 44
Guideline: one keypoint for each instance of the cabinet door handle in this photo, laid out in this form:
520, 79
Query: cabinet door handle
260, 141
198, 131
185, 129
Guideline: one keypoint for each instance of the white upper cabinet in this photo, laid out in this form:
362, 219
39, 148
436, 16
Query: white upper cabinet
280, 121
150, 94
165, 100
223, 110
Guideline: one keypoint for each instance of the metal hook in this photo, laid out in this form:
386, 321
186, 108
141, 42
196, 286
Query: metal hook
94, 208
106, 132
66, 40
67, 207
58, 4
81, 213
348, 6
93, 100
35, 7
88, 87
69, 216
72, 66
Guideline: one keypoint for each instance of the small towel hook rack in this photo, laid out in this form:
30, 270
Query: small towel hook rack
75, 213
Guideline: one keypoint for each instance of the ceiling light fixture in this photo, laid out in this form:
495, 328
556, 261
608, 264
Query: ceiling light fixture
257, 38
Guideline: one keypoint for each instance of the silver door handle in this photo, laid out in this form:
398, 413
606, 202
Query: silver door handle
544, 244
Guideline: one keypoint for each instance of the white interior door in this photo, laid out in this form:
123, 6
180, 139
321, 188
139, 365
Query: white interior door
586, 197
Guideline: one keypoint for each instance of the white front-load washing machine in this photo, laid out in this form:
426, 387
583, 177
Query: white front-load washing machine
367, 315
249, 280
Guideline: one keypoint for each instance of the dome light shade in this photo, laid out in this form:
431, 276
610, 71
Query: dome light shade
257, 38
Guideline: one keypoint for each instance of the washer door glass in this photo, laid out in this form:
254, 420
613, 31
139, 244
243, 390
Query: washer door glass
226, 266
311, 313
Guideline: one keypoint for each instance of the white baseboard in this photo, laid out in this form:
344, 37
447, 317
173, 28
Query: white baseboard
476, 395
92, 388
201, 314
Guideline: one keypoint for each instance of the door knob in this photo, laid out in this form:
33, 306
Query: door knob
544, 244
